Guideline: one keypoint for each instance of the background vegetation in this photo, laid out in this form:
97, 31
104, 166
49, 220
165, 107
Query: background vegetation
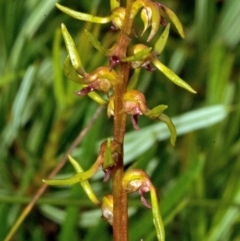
198, 180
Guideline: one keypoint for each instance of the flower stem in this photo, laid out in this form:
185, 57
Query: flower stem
120, 205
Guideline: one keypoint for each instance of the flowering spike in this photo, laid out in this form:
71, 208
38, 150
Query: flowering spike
84, 16
72, 51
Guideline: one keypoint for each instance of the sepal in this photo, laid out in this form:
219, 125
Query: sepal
84, 16
72, 51
171, 75
173, 17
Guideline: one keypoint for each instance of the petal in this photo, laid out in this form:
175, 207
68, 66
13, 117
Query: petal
155, 19
146, 15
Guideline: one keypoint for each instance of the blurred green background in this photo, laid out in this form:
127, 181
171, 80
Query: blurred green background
198, 179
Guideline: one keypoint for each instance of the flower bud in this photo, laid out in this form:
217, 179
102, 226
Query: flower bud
100, 79
118, 15
107, 208
141, 58
134, 102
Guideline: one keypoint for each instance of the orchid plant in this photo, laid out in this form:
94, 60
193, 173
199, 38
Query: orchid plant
115, 86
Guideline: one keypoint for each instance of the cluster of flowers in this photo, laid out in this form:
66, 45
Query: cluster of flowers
99, 85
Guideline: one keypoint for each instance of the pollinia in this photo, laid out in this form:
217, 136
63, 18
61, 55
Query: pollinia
115, 86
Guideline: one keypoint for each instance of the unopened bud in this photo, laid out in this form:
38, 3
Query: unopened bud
134, 102
107, 208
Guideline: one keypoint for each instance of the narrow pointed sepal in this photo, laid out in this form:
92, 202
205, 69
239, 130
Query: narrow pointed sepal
84, 16
171, 75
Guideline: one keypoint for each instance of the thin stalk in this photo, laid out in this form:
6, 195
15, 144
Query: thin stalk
120, 204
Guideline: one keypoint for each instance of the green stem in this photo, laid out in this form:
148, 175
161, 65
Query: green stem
120, 205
